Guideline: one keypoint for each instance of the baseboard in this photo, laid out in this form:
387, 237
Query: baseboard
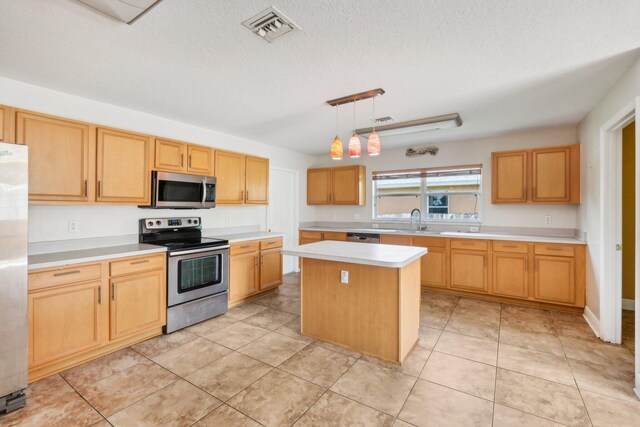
628, 304
592, 320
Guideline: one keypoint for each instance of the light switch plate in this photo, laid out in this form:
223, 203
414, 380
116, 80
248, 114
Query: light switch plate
73, 226
344, 277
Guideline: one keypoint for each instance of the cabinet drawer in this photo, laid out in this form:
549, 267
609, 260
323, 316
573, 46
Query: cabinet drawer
245, 247
514, 247
429, 242
317, 235
276, 242
335, 236
64, 276
135, 265
469, 244
556, 250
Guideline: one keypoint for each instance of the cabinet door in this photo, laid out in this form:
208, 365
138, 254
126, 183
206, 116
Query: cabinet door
554, 279
347, 185
60, 157
510, 275
138, 303
556, 174
229, 170
395, 239
329, 235
509, 177
270, 268
201, 160
257, 180
319, 186
65, 321
123, 167
170, 155
469, 270
433, 266
7, 124
243, 275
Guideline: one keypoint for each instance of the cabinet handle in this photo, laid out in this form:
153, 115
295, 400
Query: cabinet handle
261, 259
552, 248
247, 195
190, 162
241, 195
113, 291
139, 262
99, 189
86, 191
182, 160
244, 246
67, 273
256, 259
99, 294
526, 265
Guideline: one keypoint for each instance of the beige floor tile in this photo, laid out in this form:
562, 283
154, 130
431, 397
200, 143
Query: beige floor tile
211, 325
178, 404
484, 311
120, 390
535, 363
337, 348
375, 386
530, 339
433, 405
228, 375
464, 375
163, 343
270, 319
503, 416
565, 317
434, 319
68, 410
335, 410
95, 370
318, 365
226, 416
289, 290
518, 311
273, 348
412, 364
479, 304
596, 351
276, 399
272, 300
607, 411
534, 323
292, 329
400, 423
236, 335
46, 390
575, 329
472, 327
611, 381
472, 348
289, 305
191, 356
428, 337
245, 310
103, 423
547, 399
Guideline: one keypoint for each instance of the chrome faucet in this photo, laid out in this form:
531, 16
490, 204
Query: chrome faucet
419, 219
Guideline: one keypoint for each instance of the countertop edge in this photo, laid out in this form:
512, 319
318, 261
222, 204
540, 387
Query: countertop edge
348, 260
83, 260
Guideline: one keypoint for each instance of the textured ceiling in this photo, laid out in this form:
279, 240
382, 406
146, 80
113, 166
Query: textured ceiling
501, 64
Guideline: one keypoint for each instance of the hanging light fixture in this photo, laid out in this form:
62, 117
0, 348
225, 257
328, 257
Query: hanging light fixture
354, 143
336, 146
373, 142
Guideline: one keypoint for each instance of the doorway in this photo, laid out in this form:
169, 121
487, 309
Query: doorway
628, 213
282, 211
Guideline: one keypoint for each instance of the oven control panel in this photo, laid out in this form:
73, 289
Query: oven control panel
168, 223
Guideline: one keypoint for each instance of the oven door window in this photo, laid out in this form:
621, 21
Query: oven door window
196, 273
179, 191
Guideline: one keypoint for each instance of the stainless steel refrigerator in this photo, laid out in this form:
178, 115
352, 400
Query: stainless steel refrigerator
13, 275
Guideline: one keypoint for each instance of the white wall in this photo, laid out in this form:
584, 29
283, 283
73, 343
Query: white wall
622, 93
51, 222
465, 152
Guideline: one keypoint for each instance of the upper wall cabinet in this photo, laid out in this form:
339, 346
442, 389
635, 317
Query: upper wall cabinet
176, 156
123, 167
337, 186
241, 179
61, 153
7, 124
539, 175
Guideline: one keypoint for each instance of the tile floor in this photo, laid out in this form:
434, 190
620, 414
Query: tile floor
477, 363
629, 330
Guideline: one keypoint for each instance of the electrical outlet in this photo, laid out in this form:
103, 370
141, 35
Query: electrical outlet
73, 226
474, 229
344, 277
547, 219
375, 225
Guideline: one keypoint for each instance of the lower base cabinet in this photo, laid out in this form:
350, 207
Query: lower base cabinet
469, 270
270, 269
510, 276
254, 267
243, 276
554, 279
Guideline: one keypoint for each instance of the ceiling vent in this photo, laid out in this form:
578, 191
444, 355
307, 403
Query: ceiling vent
270, 24
126, 11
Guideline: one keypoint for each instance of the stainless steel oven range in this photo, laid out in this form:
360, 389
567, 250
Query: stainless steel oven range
197, 269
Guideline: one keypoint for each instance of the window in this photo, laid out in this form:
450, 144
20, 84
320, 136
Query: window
450, 194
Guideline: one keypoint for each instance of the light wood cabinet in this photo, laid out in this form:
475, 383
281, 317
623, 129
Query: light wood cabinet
61, 153
201, 160
7, 124
469, 270
170, 155
395, 239
337, 186
510, 275
433, 265
540, 175
554, 279
329, 235
123, 167
256, 180
254, 267
243, 276
270, 268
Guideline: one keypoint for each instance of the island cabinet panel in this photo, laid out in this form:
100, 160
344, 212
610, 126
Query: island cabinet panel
319, 186
433, 270
509, 177
270, 268
201, 160
170, 155
7, 124
61, 152
257, 180
243, 276
469, 270
230, 175
554, 279
510, 276
123, 167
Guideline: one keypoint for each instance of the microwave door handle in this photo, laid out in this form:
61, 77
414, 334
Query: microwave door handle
204, 190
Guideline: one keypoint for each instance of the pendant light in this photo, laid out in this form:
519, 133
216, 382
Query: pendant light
336, 146
354, 143
373, 142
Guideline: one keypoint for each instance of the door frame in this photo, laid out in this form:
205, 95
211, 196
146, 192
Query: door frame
296, 206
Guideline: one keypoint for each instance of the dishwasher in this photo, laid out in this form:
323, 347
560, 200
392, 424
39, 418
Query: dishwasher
363, 237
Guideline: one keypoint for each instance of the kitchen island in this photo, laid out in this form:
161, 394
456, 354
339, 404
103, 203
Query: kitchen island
365, 297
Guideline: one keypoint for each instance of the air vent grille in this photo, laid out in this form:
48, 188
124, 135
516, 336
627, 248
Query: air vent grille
384, 120
270, 24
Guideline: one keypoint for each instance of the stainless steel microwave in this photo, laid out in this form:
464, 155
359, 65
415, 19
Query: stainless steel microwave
182, 191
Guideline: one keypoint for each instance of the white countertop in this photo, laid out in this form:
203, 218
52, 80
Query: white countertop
457, 235
391, 256
60, 259
243, 237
